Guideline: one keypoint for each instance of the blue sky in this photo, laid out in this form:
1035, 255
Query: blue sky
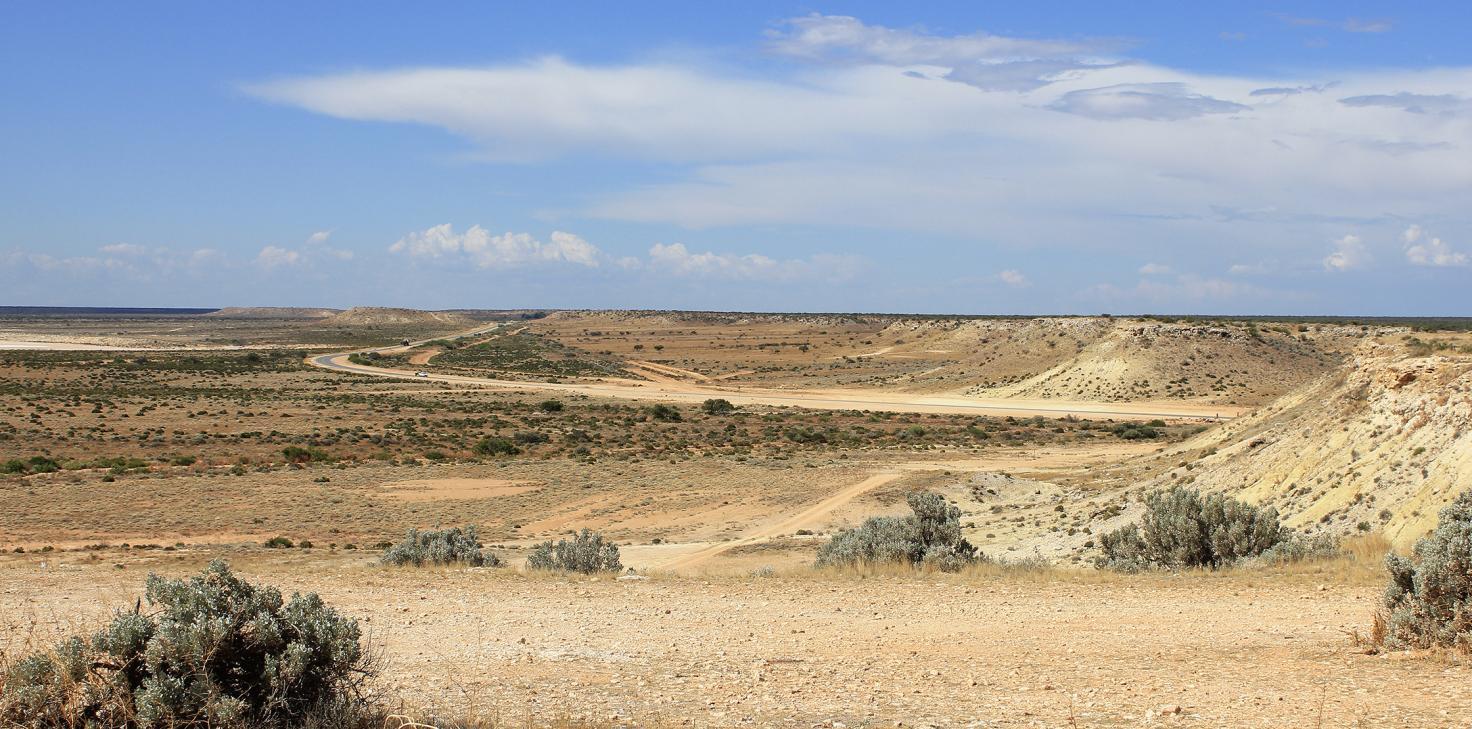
1310, 158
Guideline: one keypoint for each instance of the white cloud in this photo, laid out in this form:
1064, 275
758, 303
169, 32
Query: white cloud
123, 249
676, 259
1422, 250
318, 237
1013, 277
497, 251
1154, 269
865, 130
1349, 253
273, 256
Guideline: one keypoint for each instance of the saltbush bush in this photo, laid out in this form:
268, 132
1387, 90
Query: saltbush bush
496, 446
931, 535
1429, 600
1182, 528
445, 546
209, 651
586, 552
34, 464
298, 454
1301, 548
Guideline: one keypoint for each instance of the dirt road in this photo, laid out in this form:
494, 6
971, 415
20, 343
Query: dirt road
675, 391
806, 517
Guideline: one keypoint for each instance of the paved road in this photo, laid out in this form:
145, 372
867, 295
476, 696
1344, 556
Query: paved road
813, 399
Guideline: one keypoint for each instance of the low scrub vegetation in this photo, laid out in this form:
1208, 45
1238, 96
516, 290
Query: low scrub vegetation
34, 464
1183, 528
930, 536
299, 454
440, 547
587, 552
496, 446
1429, 600
209, 651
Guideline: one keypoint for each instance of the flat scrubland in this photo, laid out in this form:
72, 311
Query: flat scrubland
201, 437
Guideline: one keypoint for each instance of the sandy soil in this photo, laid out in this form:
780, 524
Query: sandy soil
440, 489
1009, 651
423, 358
56, 346
805, 518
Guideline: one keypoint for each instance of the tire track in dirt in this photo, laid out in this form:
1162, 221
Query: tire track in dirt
806, 517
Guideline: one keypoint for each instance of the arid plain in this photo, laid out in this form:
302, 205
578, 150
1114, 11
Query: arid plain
139, 444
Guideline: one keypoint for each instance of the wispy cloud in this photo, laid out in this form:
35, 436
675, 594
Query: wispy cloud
1163, 101
984, 60
1414, 103
1348, 25
677, 259
1014, 278
276, 257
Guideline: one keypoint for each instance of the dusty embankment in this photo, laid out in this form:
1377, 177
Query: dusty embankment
1382, 444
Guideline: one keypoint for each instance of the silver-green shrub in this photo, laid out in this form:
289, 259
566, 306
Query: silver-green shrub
210, 651
931, 535
1182, 528
1429, 600
1302, 548
439, 547
586, 552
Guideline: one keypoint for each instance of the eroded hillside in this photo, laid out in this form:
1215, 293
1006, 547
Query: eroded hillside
1379, 445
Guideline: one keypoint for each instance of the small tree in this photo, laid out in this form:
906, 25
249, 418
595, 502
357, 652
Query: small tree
1429, 599
586, 552
717, 406
665, 413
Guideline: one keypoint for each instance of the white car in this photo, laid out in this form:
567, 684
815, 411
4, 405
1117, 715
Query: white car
421, 374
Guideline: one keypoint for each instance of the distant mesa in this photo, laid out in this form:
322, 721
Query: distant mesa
379, 316
272, 312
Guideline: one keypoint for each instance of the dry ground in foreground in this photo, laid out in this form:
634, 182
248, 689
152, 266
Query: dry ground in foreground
1051, 649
